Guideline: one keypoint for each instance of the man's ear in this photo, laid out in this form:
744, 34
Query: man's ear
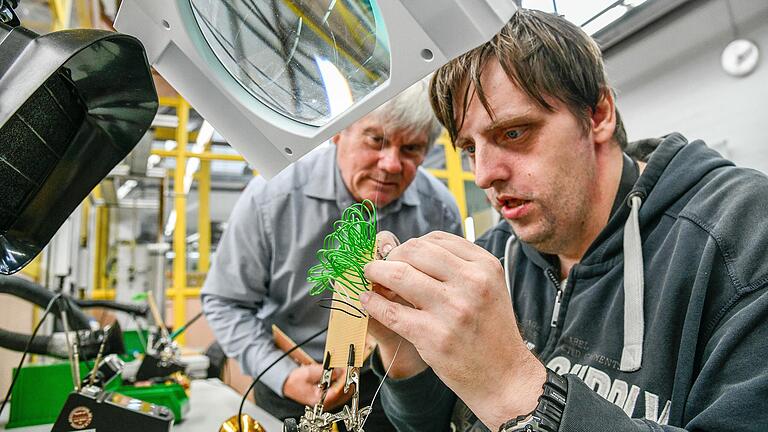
335, 138
603, 118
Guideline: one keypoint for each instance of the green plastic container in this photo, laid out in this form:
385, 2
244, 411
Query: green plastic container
41, 390
133, 343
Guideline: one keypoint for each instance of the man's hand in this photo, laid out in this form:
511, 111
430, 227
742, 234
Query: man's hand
457, 313
302, 386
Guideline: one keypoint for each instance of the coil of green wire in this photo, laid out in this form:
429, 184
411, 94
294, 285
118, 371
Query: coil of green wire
345, 252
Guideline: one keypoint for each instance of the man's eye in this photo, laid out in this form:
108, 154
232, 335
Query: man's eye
413, 149
513, 134
470, 150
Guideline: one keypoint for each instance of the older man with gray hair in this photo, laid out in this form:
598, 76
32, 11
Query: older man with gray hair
258, 277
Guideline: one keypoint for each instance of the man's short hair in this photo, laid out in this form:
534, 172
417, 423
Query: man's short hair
544, 55
410, 110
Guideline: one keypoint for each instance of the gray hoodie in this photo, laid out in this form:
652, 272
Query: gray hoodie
664, 320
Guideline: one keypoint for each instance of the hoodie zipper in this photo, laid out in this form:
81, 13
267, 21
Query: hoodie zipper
560, 287
558, 302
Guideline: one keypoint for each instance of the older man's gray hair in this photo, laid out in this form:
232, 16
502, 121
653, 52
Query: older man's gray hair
410, 110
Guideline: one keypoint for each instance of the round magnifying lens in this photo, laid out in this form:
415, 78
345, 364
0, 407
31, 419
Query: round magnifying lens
308, 60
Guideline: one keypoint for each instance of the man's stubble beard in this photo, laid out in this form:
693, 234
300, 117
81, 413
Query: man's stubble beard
563, 217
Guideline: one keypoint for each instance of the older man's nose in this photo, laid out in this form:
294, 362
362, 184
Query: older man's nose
389, 161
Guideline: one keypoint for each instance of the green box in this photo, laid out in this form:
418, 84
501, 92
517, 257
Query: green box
134, 342
41, 390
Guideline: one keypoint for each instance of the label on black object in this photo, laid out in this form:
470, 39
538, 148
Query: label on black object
80, 417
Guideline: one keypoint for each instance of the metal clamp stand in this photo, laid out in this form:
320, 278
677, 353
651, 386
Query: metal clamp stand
315, 420
89, 406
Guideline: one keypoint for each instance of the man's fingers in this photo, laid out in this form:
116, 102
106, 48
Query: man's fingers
456, 245
389, 294
314, 372
336, 396
414, 286
337, 374
385, 242
429, 257
401, 319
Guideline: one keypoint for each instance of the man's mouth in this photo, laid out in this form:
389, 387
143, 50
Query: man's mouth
381, 183
509, 202
513, 208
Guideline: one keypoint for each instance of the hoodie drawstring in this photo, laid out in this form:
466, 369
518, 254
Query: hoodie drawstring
632, 353
507, 259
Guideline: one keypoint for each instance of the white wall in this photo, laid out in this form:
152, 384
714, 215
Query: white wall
669, 78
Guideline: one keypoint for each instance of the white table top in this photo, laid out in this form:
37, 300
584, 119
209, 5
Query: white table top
211, 403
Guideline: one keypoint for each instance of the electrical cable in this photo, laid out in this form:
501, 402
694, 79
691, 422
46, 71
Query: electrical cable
24, 354
362, 314
258, 377
183, 328
345, 253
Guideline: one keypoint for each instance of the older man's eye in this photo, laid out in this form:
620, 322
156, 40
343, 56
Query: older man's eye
414, 149
513, 133
469, 150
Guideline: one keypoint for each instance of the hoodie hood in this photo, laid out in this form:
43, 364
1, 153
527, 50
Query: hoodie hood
673, 170
640, 200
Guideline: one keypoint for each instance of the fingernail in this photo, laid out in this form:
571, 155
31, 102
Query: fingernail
364, 296
385, 250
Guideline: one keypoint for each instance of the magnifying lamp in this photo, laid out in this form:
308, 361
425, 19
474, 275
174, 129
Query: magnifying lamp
74, 104
277, 78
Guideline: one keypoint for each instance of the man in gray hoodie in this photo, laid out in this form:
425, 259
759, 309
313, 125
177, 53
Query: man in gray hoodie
617, 295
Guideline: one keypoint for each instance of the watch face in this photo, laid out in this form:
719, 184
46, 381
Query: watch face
740, 57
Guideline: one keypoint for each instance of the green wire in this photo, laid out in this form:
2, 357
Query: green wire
345, 252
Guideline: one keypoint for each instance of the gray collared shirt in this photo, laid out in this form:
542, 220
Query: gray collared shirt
259, 274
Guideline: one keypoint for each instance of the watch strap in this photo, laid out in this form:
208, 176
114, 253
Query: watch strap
548, 413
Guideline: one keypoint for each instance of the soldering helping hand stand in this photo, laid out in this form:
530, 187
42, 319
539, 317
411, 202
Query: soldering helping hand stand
316, 420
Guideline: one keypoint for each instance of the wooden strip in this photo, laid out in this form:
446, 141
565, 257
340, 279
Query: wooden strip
285, 343
345, 329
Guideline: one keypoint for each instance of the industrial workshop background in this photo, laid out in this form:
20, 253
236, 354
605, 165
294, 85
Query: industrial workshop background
154, 222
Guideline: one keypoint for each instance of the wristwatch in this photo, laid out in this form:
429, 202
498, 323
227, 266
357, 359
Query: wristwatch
548, 413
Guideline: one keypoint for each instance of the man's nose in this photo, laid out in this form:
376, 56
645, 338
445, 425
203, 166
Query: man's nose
489, 166
389, 160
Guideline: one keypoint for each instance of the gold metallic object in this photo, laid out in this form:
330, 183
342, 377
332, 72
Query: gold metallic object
183, 380
248, 422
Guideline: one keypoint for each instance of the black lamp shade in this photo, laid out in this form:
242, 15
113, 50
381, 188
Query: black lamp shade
73, 104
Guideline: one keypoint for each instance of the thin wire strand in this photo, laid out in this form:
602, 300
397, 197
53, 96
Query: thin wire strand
361, 315
342, 310
732, 19
26, 349
386, 374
